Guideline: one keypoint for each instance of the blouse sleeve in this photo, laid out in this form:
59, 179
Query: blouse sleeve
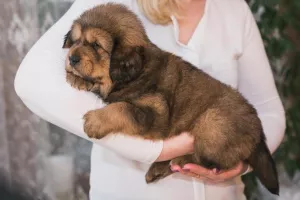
40, 83
256, 83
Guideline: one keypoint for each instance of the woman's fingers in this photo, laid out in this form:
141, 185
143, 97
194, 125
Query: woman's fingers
193, 168
232, 172
211, 176
191, 174
177, 168
197, 169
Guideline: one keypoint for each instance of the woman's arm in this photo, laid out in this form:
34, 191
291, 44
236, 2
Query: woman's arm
40, 83
257, 84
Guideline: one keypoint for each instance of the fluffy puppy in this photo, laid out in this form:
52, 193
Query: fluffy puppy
155, 95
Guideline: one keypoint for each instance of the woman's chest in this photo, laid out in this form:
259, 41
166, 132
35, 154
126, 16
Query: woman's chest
213, 47
223, 68
219, 59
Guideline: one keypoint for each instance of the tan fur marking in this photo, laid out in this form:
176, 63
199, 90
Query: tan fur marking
76, 32
155, 102
78, 83
106, 86
100, 36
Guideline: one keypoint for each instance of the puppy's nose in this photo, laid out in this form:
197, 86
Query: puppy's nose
74, 60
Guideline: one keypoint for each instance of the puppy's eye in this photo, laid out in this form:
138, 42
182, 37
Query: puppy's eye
95, 46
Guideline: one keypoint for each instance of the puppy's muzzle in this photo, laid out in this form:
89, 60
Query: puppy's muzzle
74, 60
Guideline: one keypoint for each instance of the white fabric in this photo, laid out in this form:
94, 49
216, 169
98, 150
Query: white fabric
226, 44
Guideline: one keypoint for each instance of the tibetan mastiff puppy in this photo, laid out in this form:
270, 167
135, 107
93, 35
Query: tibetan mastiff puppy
153, 94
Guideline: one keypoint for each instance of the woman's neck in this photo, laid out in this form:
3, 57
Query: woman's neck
191, 14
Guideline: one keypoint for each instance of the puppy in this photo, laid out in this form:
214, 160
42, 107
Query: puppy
155, 95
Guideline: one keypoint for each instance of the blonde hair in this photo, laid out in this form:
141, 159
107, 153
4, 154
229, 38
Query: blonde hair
160, 11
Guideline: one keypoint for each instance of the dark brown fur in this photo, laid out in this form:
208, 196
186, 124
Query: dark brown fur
154, 94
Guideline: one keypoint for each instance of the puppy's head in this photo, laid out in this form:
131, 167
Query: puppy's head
106, 46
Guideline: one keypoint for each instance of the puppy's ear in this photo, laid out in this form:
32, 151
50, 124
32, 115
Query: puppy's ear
68, 40
126, 63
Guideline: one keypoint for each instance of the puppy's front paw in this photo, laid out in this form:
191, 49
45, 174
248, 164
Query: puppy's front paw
78, 83
95, 125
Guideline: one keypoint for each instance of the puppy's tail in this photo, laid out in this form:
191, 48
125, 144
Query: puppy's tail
264, 167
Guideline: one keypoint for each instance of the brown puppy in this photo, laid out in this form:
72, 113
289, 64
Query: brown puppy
154, 94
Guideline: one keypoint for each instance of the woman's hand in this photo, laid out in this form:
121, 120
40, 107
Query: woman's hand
177, 146
184, 144
211, 176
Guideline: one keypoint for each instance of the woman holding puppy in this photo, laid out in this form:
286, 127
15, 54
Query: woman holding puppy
227, 45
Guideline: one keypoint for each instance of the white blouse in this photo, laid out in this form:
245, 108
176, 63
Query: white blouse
226, 44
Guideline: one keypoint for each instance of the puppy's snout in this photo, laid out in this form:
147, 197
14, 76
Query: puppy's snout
74, 60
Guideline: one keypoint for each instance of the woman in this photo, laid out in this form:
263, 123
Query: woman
218, 36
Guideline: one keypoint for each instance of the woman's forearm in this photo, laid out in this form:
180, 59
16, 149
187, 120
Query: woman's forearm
176, 146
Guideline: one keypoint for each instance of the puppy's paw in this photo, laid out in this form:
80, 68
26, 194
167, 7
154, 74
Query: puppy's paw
95, 125
78, 83
158, 171
153, 176
180, 161
183, 160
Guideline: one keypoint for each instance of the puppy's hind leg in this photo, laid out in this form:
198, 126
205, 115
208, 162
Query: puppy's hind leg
161, 170
158, 170
212, 144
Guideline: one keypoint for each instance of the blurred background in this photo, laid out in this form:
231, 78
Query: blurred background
44, 160
49, 163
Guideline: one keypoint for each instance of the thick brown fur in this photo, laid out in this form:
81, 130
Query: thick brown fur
155, 95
